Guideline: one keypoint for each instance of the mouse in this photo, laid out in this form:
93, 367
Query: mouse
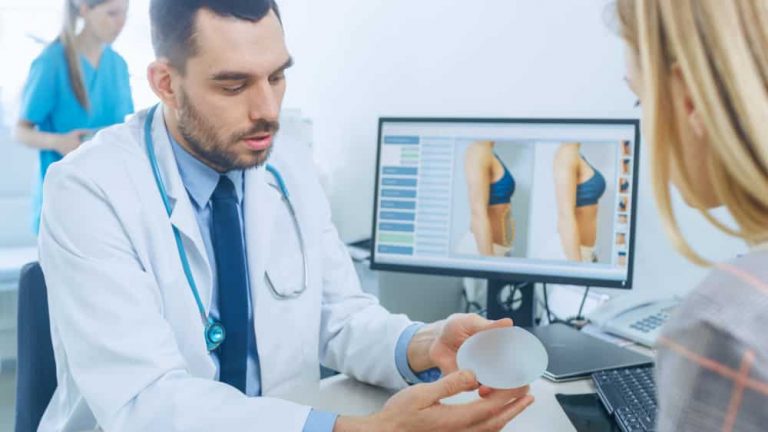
503, 358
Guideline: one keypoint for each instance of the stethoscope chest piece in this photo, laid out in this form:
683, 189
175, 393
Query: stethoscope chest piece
214, 335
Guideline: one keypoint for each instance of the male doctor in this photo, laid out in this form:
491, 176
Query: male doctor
129, 335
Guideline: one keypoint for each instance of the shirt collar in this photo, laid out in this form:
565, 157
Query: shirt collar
199, 179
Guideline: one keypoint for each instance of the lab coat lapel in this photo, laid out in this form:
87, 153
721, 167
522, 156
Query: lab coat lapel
182, 213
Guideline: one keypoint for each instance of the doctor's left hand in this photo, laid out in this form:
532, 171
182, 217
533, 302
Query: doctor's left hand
436, 345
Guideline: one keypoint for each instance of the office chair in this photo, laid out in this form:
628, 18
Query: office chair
36, 366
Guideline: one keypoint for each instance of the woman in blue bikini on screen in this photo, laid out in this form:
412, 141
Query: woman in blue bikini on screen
579, 187
490, 187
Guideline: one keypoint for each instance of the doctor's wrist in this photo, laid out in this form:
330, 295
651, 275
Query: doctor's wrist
419, 358
354, 424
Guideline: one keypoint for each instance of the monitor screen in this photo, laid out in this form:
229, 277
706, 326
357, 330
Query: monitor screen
529, 200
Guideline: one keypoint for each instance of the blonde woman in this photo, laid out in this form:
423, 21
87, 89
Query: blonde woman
578, 187
700, 68
77, 85
490, 186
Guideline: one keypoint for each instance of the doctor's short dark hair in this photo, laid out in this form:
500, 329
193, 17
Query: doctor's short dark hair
173, 23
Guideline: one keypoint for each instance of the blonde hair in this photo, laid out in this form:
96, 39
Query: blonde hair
721, 49
67, 38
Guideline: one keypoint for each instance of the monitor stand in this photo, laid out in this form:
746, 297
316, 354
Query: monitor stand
511, 300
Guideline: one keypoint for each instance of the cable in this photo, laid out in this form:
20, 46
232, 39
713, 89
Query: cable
471, 304
546, 305
577, 322
543, 307
552, 318
583, 300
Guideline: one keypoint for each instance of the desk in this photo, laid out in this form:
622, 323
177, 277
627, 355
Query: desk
346, 396
343, 395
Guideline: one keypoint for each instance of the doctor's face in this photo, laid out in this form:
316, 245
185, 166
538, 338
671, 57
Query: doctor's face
230, 95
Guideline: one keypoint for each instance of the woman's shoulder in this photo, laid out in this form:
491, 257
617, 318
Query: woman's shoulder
732, 299
714, 343
52, 55
568, 154
480, 152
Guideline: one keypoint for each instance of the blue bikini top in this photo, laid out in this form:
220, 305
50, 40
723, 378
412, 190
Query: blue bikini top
590, 192
502, 190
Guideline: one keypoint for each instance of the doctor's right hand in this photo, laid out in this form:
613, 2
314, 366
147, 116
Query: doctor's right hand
418, 408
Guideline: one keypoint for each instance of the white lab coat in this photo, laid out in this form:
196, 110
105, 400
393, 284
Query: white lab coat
127, 335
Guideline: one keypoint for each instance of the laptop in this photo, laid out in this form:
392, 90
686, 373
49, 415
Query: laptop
574, 355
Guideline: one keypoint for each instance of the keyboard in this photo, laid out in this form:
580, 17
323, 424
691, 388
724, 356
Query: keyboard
629, 396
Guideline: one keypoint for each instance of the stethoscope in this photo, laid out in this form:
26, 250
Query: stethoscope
214, 329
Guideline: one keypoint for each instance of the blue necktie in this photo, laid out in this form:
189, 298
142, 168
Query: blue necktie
227, 236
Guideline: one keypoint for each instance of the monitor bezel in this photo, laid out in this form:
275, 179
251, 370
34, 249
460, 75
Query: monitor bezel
503, 276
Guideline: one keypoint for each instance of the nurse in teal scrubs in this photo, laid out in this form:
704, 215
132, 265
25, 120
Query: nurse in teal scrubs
76, 86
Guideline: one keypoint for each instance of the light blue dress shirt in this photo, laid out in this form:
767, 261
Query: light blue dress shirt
200, 182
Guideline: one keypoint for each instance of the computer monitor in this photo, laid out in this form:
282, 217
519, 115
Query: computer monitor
517, 200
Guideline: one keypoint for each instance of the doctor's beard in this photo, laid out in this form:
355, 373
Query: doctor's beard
220, 153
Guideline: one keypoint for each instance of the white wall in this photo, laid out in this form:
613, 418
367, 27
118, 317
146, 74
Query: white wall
358, 60
18, 164
17, 171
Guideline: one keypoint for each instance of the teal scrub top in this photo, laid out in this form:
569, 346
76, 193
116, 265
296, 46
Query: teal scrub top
49, 102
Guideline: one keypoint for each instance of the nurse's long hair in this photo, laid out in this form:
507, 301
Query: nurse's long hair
721, 48
67, 38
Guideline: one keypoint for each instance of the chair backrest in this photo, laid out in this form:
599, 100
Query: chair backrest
36, 366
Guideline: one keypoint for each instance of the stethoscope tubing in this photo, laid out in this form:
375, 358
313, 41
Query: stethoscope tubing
214, 331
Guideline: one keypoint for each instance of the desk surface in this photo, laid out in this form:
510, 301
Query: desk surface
343, 395
346, 396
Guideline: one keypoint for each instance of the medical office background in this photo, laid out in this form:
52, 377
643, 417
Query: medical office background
358, 60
